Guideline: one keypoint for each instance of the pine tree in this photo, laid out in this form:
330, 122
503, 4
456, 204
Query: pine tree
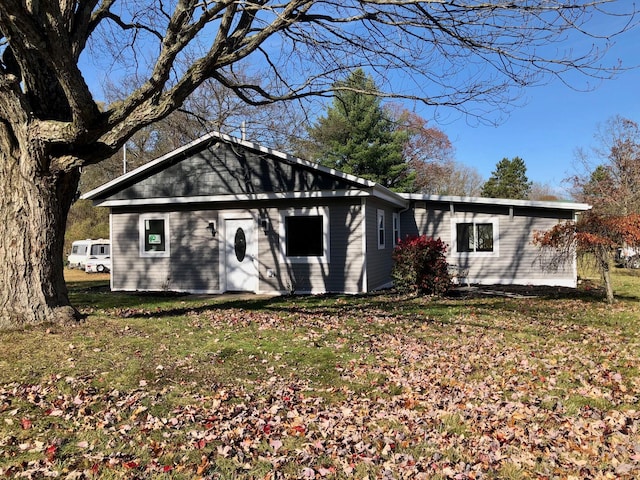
508, 180
358, 136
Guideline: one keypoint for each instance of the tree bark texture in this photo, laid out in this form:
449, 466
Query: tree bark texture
606, 279
33, 213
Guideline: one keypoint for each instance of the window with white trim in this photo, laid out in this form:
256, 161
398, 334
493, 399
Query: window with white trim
381, 229
478, 236
154, 235
396, 228
304, 235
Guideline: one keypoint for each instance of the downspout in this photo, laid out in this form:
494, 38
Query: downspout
365, 251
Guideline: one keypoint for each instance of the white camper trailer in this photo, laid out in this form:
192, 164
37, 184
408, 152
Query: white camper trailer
85, 250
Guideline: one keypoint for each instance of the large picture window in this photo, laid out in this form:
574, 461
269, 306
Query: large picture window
479, 237
154, 235
305, 235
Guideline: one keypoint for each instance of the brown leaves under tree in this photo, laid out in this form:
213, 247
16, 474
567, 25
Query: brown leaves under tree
503, 388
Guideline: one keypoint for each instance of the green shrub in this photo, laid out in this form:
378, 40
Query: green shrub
420, 266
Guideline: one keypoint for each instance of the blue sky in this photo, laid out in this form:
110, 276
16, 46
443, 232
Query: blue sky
554, 121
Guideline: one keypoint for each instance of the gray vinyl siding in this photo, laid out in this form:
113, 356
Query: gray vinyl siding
517, 261
344, 270
379, 261
432, 219
193, 264
222, 169
194, 252
520, 259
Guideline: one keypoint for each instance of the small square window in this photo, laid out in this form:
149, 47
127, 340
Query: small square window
304, 235
475, 237
154, 236
154, 239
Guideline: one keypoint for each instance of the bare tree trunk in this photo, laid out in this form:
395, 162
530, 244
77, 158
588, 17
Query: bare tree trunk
606, 278
33, 214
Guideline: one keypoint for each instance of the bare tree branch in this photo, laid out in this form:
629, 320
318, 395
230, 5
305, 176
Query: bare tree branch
453, 53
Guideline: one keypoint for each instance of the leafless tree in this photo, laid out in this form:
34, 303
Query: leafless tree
458, 53
450, 178
544, 192
211, 107
608, 174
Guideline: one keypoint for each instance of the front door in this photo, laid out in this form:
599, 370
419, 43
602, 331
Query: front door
240, 248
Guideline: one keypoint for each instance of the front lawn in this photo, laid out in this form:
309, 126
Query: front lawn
501, 385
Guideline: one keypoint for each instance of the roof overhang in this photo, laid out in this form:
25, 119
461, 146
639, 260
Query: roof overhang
557, 205
231, 198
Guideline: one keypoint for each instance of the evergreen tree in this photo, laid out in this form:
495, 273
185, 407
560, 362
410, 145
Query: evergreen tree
358, 136
508, 180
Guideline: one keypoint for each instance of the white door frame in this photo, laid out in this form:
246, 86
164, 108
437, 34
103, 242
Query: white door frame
252, 246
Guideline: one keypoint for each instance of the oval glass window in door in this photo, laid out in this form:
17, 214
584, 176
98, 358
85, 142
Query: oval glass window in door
240, 244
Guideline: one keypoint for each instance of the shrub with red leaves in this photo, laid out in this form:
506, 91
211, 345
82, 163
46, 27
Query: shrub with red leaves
421, 266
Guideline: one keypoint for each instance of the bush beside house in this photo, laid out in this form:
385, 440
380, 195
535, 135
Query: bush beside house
420, 266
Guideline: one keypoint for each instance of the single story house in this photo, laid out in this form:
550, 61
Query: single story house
222, 214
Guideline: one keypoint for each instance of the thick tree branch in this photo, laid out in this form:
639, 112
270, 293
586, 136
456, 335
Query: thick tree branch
456, 52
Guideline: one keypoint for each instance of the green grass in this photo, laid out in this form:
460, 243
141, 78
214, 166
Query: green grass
178, 386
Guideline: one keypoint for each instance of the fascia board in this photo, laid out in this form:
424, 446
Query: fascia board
387, 195
232, 198
498, 201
